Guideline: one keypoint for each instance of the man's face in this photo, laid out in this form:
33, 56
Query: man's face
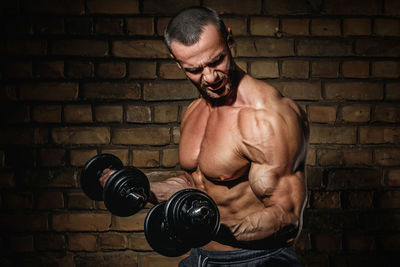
207, 63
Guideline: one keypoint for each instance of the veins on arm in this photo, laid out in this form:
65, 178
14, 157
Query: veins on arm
162, 191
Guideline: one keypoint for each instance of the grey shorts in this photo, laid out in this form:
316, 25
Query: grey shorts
241, 257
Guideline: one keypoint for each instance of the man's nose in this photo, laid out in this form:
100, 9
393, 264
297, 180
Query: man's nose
209, 75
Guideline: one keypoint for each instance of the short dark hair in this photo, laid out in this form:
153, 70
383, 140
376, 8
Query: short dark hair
187, 26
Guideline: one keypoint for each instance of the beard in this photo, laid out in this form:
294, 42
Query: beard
224, 79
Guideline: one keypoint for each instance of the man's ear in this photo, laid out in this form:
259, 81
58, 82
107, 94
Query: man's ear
230, 40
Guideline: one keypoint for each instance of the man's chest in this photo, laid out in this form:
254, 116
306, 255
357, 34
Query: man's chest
210, 141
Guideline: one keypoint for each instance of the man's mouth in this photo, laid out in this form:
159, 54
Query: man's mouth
216, 86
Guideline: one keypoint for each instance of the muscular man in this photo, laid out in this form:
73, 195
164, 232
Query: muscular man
242, 143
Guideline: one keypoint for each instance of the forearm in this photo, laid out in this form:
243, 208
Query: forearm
162, 191
270, 223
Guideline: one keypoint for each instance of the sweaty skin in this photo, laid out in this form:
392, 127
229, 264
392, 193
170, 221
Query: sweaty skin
243, 144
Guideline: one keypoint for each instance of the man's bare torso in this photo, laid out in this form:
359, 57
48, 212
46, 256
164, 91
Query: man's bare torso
213, 147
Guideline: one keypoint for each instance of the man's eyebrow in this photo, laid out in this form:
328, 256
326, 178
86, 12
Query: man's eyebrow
213, 60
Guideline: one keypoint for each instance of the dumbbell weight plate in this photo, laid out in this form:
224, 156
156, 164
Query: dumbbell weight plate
121, 191
158, 236
199, 228
93, 170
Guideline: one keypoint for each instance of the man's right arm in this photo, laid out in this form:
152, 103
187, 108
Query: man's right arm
162, 191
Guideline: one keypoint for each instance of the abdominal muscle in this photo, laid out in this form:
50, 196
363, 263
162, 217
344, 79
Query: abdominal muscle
234, 198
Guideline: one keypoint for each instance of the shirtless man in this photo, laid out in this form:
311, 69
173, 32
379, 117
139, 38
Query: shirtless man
242, 143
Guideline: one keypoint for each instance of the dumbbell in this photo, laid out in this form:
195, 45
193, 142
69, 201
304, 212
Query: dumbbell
189, 219
125, 192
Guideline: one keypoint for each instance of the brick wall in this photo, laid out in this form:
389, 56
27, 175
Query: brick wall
84, 77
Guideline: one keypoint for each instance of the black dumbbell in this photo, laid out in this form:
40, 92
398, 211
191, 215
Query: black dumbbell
189, 219
125, 192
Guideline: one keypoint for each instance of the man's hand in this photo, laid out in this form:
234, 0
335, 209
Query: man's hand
105, 176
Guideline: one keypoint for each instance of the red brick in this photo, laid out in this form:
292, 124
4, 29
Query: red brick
108, 90
81, 222
49, 25
111, 70
148, 260
146, 158
108, 113
387, 113
18, 200
141, 136
311, 157
49, 69
356, 113
359, 7
162, 24
378, 47
328, 242
40, 136
66, 178
264, 69
8, 92
19, 69
329, 157
295, 26
119, 258
78, 113
321, 47
392, 7
80, 156
287, 7
393, 91
165, 113
170, 157
25, 222
109, 26
14, 113
167, 6
234, 6
80, 69
237, 25
171, 71
360, 200
113, 241
49, 91
169, 91
295, 69
140, 49
353, 91
325, 27
333, 134
357, 26
355, 69
21, 243
299, 90
52, 157
357, 242
264, 47
138, 114
379, 135
79, 25
138, 242
357, 157
76, 7
84, 48
16, 136
131, 223
390, 200
82, 242
393, 177
78, 200
81, 135
387, 157
326, 200
142, 70
386, 69
325, 114
49, 242
140, 26
26, 47
387, 27
115, 7
122, 154
264, 26
50, 200
325, 69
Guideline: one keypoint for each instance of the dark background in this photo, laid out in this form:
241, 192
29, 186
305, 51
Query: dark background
83, 77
